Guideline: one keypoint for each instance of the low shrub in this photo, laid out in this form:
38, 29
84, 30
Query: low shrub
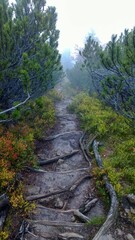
118, 152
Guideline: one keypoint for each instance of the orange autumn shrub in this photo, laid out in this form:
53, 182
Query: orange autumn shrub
16, 151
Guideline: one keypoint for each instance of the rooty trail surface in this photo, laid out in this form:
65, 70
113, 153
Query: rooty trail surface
64, 186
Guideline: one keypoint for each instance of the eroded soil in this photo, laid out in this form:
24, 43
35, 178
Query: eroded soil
54, 216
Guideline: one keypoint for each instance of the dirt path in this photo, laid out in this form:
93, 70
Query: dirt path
55, 217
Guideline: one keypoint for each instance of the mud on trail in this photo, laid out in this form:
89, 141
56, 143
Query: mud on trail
65, 188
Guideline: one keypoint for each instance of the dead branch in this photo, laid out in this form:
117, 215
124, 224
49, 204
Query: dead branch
55, 159
112, 214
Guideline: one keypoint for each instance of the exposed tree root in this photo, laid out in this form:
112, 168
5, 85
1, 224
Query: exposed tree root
112, 214
23, 229
59, 135
55, 159
56, 223
88, 205
81, 216
4, 201
70, 235
58, 172
71, 188
83, 150
90, 144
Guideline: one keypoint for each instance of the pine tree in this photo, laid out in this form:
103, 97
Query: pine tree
28, 50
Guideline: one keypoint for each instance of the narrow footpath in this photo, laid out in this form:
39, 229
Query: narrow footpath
64, 187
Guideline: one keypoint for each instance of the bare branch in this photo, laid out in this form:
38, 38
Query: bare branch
18, 105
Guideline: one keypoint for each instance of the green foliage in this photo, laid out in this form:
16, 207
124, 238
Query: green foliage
99, 220
17, 143
17, 151
54, 95
113, 71
118, 151
29, 59
79, 77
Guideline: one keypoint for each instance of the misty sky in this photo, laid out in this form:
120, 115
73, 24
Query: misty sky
77, 18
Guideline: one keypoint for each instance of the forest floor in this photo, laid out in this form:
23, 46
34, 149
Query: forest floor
65, 187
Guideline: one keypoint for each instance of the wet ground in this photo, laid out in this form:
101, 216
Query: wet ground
55, 216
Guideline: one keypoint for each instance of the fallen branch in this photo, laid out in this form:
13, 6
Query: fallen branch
55, 159
112, 214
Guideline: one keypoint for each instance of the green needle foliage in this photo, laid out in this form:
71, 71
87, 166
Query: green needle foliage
29, 59
113, 71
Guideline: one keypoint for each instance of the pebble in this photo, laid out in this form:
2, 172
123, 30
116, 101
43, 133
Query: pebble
131, 198
59, 203
60, 161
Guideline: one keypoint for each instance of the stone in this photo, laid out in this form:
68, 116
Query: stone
58, 203
131, 198
129, 237
107, 237
60, 161
119, 232
73, 219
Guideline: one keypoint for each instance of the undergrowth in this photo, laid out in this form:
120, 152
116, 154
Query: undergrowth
118, 140
17, 148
